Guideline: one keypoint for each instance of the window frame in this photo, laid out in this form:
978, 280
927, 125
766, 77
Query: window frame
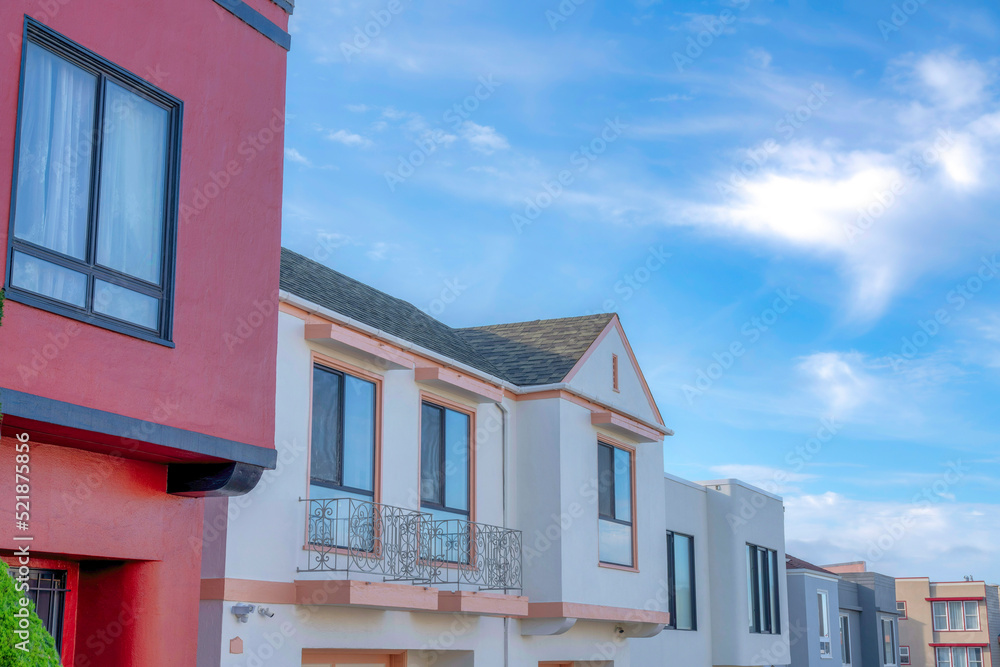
336, 366
603, 441
445, 404
37, 33
892, 641
902, 610
671, 582
904, 660
947, 616
71, 569
823, 600
845, 640
614, 373
765, 616
950, 651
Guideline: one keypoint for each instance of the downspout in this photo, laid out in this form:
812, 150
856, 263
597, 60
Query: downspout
503, 447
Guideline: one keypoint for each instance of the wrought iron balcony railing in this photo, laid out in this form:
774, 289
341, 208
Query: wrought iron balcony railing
352, 535
472, 555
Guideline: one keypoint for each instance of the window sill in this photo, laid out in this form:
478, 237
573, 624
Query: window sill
623, 568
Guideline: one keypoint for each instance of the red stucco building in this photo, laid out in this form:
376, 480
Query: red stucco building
141, 169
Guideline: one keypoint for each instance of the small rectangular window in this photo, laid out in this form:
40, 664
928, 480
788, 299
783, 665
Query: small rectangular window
975, 656
956, 615
901, 608
940, 611
94, 201
680, 581
959, 657
943, 657
615, 524
845, 640
971, 615
823, 600
47, 591
904, 655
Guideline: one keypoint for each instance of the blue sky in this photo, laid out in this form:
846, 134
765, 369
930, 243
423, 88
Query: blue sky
698, 167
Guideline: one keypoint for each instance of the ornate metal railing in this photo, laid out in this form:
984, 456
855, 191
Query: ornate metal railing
351, 535
472, 555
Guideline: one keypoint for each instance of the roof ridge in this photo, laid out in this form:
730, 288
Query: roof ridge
608, 317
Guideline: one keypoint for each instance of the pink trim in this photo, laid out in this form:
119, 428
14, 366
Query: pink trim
484, 603
979, 599
624, 426
453, 380
248, 590
323, 331
366, 594
963, 645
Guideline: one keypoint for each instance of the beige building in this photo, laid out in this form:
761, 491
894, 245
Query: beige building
948, 624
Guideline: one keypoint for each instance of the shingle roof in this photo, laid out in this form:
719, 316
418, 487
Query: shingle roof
523, 353
793, 563
538, 352
331, 289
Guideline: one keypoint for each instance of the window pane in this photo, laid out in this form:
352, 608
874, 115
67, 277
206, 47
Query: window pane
623, 485
845, 640
762, 590
975, 657
605, 480
958, 657
943, 657
824, 614
325, 458
774, 583
359, 433
682, 583
615, 543
940, 615
125, 304
54, 163
133, 167
888, 649
456, 463
956, 620
48, 279
751, 605
971, 615
430, 454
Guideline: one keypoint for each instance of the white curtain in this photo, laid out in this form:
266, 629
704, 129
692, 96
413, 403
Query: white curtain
53, 178
133, 165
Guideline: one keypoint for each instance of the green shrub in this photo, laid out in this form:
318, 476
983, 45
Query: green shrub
41, 647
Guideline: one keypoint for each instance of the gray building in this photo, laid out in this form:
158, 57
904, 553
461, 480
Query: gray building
841, 615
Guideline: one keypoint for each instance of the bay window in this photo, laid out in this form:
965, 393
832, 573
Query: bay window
955, 615
959, 656
95, 191
615, 494
763, 590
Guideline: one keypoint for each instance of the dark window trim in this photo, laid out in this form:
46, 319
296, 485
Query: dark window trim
330, 484
770, 624
43, 36
258, 21
442, 461
614, 509
671, 583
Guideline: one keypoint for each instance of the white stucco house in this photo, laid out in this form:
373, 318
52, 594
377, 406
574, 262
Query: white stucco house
489, 496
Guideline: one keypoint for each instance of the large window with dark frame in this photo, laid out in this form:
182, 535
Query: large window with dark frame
615, 521
680, 581
845, 640
763, 590
342, 460
94, 201
444, 461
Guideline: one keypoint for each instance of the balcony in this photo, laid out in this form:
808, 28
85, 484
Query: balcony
399, 545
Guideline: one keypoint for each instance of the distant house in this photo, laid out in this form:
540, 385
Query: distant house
841, 615
948, 623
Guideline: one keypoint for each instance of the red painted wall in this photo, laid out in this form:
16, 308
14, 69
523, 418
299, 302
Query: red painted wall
138, 603
220, 378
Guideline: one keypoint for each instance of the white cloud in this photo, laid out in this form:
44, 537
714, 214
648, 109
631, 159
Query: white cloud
378, 251
348, 138
761, 58
292, 155
929, 536
951, 82
674, 97
357, 108
839, 379
483, 138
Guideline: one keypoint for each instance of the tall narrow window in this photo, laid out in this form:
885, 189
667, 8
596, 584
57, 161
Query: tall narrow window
825, 645
342, 464
971, 615
845, 640
444, 461
762, 590
888, 642
95, 192
614, 372
47, 591
975, 656
940, 610
614, 474
680, 581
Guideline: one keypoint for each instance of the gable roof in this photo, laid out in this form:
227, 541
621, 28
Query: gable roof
793, 563
537, 352
332, 289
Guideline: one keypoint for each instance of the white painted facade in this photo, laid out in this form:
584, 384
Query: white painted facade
536, 470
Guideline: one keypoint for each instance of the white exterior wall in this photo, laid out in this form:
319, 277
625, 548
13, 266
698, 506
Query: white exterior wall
552, 499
